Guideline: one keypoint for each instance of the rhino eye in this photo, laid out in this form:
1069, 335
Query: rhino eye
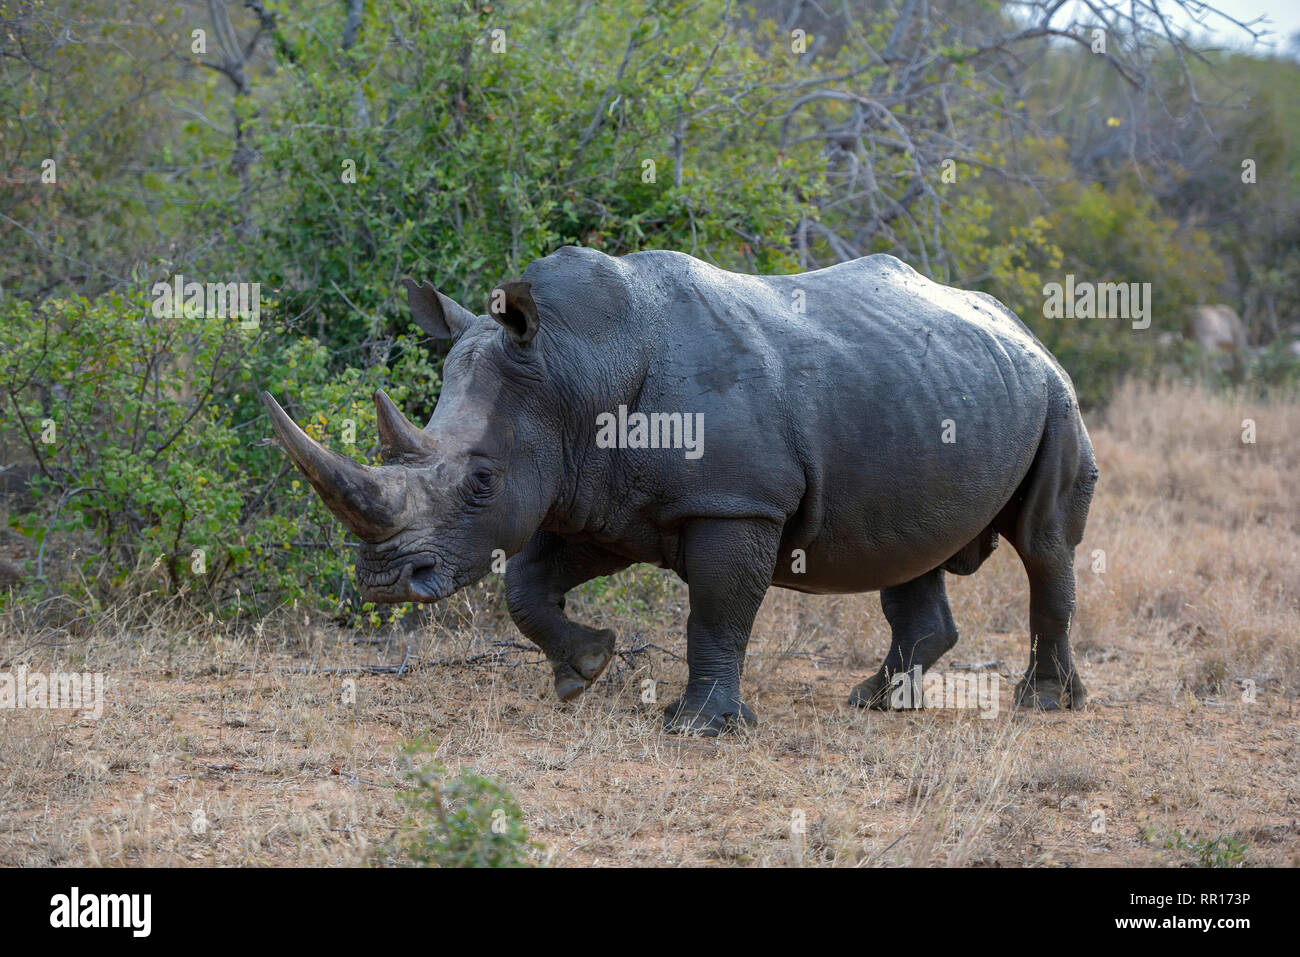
482, 480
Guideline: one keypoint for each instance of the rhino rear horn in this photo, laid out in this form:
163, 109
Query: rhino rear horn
370, 501
399, 438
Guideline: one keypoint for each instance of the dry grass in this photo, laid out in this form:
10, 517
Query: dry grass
1201, 592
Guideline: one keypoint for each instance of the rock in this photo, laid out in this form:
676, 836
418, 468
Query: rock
15, 479
1218, 328
10, 574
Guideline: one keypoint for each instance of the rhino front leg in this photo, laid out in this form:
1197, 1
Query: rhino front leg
728, 567
536, 582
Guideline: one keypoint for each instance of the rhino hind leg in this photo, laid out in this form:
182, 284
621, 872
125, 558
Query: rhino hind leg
536, 582
922, 630
727, 565
1050, 681
1045, 523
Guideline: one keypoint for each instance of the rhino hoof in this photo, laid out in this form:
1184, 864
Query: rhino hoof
878, 692
707, 716
1048, 693
574, 677
872, 693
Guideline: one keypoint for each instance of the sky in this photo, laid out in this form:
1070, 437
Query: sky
1214, 31
1283, 14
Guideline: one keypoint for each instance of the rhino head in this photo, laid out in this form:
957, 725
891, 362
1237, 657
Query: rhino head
480, 477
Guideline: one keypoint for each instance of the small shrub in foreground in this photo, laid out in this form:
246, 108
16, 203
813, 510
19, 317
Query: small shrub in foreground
462, 821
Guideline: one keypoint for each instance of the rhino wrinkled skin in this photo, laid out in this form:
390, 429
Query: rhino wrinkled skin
862, 429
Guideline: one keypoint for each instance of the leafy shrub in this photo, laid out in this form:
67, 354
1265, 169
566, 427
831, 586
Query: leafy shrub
155, 466
471, 161
464, 821
1221, 851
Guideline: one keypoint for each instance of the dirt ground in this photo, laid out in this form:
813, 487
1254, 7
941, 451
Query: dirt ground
225, 744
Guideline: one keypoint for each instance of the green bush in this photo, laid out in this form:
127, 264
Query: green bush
461, 161
463, 821
155, 464
1221, 851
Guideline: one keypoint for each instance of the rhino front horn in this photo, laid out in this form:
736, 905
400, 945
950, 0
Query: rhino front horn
399, 438
370, 501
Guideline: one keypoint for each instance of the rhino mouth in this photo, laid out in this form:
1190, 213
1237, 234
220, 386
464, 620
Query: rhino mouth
423, 584
419, 580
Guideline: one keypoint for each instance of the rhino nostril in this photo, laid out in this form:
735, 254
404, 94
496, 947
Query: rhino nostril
424, 580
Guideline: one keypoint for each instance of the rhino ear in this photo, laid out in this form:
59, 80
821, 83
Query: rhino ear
433, 312
511, 304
